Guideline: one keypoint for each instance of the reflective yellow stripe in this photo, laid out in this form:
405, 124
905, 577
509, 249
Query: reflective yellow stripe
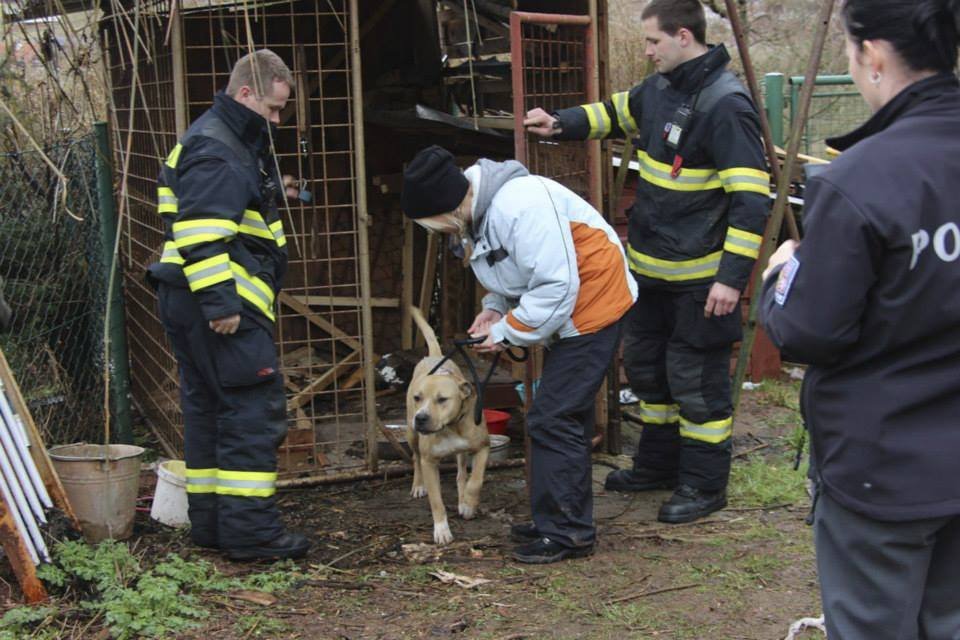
208, 272
674, 270
658, 173
170, 254
744, 179
621, 102
599, 120
253, 290
166, 200
659, 413
174, 156
743, 243
276, 229
201, 480
253, 224
190, 232
712, 432
250, 484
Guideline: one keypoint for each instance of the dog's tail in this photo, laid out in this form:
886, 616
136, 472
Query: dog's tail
433, 347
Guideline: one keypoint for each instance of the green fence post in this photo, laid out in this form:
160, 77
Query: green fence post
117, 335
773, 88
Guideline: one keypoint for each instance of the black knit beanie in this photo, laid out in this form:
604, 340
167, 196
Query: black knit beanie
432, 184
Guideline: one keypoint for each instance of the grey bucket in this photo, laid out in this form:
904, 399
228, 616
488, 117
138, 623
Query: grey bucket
101, 483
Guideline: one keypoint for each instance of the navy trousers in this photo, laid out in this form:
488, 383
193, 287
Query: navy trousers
560, 424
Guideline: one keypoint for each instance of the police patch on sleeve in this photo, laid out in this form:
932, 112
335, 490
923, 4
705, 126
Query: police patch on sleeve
785, 280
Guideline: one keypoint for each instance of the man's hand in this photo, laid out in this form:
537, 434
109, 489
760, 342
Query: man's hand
290, 186
226, 326
489, 346
481, 324
780, 256
721, 300
541, 123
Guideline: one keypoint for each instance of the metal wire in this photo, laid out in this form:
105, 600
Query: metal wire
53, 277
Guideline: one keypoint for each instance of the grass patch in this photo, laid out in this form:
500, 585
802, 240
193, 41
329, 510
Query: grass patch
107, 583
764, 483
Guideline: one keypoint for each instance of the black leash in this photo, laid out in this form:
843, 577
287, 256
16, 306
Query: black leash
481, 386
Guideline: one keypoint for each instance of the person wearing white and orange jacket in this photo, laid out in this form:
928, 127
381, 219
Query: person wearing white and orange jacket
557, 275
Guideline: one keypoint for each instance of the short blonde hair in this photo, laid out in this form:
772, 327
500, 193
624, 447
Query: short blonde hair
269, 68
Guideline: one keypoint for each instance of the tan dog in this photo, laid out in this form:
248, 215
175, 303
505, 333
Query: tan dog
440, 423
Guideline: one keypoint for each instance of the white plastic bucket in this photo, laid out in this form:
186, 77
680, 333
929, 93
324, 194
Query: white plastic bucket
170, 497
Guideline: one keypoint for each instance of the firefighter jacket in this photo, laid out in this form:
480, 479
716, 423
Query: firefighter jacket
218, 194
870, 300
704, 221
553, 266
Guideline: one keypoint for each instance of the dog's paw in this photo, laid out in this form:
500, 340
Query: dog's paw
441, 533
466, 511
418, 492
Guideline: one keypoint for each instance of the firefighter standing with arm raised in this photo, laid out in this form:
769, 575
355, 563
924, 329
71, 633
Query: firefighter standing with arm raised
694, 234
222, 265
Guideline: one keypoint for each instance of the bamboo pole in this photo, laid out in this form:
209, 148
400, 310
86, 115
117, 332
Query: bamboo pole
391, 471
783, 185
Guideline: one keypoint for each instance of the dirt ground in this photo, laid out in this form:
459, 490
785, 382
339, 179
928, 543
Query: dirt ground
746, 572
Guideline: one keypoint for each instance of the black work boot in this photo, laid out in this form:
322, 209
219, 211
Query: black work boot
641, 479
288, 545
544, 551
524, 532
688, 504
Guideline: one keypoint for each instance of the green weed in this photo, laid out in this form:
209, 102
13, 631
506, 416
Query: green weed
761, 483
134, 602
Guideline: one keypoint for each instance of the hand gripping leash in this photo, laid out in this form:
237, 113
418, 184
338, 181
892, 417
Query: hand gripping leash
481, 386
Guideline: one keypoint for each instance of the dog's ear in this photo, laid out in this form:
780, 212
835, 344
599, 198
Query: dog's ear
466, 390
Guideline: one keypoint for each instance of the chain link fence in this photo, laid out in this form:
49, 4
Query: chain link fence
52, 275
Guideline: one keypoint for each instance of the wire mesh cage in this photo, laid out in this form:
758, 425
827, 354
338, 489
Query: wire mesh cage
320, 329
52, 276
836, 108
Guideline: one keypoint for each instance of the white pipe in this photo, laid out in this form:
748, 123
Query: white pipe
6, 406
21, 528
16, 476
26, 458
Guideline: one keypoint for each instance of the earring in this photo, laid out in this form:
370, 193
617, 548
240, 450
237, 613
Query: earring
875, 77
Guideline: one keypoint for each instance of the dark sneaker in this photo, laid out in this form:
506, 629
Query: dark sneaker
289, 545
524, 532
688, 504
639, 480
545, 551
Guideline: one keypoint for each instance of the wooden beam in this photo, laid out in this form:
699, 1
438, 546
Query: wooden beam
406, 292
323, 323
322, 382
19, 556
38, 450
346, 301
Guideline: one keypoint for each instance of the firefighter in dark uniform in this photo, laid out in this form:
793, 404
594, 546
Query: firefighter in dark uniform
222, 264
870, 300
694, 234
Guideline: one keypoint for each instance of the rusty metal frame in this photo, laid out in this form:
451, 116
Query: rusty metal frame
549, 42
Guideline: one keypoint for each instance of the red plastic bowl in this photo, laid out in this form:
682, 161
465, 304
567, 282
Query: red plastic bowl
496, 421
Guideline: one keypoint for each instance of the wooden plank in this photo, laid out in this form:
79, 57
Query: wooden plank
346, 301
322, 382
323, 323
406, 294
38, 451
19, 556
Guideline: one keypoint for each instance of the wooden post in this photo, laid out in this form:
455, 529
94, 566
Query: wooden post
19, 556
406, 293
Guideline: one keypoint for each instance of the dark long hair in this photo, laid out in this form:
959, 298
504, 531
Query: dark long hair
924, 32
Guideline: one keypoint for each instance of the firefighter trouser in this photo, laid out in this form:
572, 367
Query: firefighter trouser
560, 425
887, 580
678, 365
234, 415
